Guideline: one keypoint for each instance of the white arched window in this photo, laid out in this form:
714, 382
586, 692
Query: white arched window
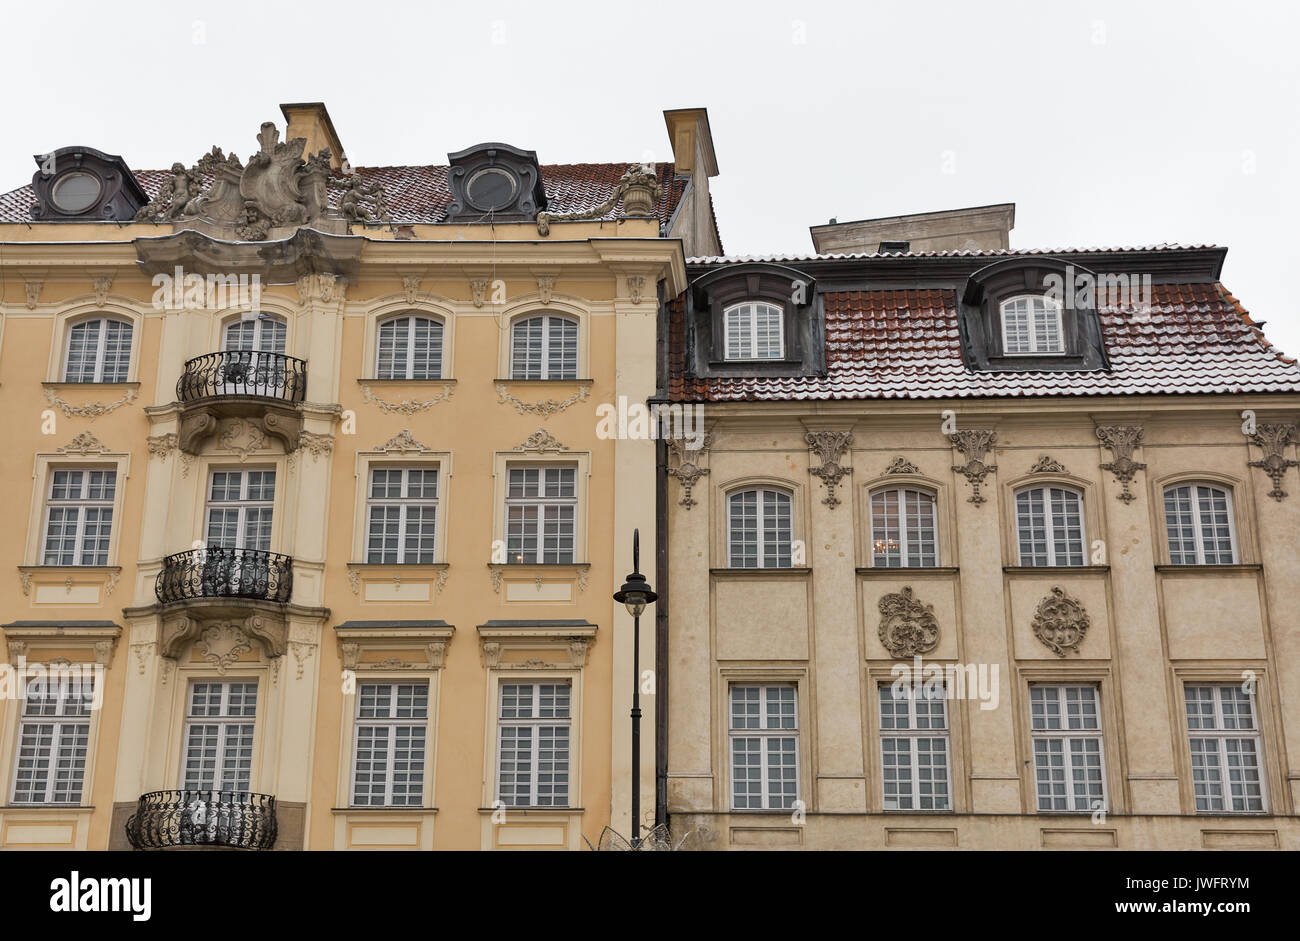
544, 347
754, 330
759, 528
409, 347
903, 530
99, 350
1198, 522
1031, 324
262, 334
1049, 526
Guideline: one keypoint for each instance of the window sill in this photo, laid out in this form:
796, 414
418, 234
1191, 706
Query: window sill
919, 571
760, 572
1218, 569
525, 811
547, 382
51, 808
408, 382
1056, 569
58, 385
383, 810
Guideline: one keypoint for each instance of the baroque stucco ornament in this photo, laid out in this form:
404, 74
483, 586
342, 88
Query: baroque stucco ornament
1121, 440
638, 189
688, 470
1060, 622
908, 628
1273, 441
830, 447
974, 443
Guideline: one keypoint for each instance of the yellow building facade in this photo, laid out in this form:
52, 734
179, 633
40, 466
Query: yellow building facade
312, 489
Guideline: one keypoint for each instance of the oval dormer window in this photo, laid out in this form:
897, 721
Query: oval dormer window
76, 192
491, 189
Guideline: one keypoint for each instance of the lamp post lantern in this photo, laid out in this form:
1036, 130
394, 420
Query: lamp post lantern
635, 595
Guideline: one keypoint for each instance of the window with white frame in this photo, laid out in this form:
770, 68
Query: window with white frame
760, 528
903, 532
1227, 774
240, 504
764, 740
79, 516
1198, 521
544, 347
388, 761
409, 347
53, 740
1031, 324
99, 350
541, 513
219, 725
533, 744
914, 747
754, 330
1065, 726
1049, 526
260, 334
402, 515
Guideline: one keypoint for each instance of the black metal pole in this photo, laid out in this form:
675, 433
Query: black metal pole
636, 702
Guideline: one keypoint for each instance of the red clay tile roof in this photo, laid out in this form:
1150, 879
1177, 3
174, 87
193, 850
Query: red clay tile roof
419, 194
897, 344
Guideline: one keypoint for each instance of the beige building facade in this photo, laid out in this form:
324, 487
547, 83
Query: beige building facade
936, 583
312, 491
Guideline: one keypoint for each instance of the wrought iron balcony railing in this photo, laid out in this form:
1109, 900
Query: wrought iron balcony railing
231, 819
243, 372
225, 573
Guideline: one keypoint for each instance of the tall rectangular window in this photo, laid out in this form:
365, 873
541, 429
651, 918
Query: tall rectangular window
240, 504
914, 747
1049, 526
541, 514
760, 529
219, 726
902, 528
98, 351
764, 740
79, 517
544, 347
409, 348
1225, 746
388, 763
53, 740
402, 515
1198, 523
1065, 725
533, 729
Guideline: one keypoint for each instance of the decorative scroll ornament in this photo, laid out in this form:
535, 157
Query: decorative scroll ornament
102, 287
222, 643
406, 406
91, 410
1047, 465
545, 285
411, 288
33, 289
830, 447
321, 286
84, 443
401, 443
241, 436
901, 465
638, 189
545, 408
635, 287
160, 446
908, 628
974, 443
478, 288
1060, 622
315, 445
1121, 440
542, 441
688, 470
1273, 440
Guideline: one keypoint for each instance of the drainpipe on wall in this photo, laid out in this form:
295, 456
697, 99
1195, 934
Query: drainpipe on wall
661, 577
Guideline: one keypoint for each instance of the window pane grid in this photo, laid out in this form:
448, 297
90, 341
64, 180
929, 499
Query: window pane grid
391, 727
402, 515
914, 748
1198, 523
219, 731
1049, 526
1227, 774
53, 742
98, 351
754, 330
1031, 324
764, 747
760, 529
79, 517
240, 508
1069, 770
907, 538
409, 348
544, 348
541, 514
533, 724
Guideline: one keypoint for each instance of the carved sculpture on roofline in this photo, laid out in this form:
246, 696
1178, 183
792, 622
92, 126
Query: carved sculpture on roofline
638, 189
278, 189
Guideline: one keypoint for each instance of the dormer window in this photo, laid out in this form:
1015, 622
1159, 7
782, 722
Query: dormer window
754, 330
1031, 325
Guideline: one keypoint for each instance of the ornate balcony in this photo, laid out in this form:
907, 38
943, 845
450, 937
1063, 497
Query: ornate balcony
265, 387
225, 573
218, 819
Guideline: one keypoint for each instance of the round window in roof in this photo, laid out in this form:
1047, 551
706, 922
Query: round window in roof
491, 189
76, 191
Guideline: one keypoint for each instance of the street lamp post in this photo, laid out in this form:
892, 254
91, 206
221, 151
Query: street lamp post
635, 595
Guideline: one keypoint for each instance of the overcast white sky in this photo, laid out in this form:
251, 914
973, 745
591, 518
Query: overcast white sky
1105, 123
